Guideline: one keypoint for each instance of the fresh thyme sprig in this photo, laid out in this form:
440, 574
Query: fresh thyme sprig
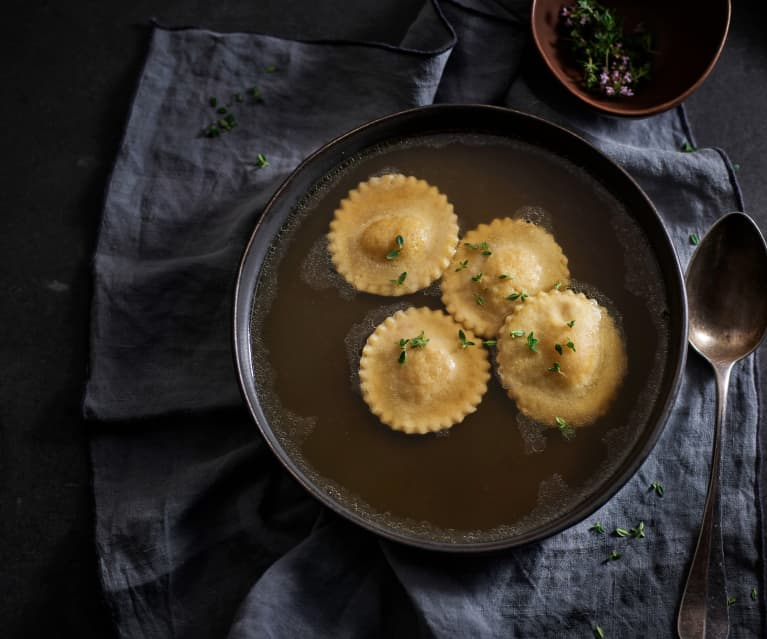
614, 63
412, 342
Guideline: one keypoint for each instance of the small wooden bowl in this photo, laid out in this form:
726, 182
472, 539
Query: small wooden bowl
689, 37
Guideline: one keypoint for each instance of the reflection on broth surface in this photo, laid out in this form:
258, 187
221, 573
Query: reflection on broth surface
494, 475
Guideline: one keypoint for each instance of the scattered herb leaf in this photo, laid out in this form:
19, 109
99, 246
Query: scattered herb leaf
477, 277
221, 110
531, 342
482, 246
694, 239
615, 555
599, 633
400, 280
754, 594
261, 161
597, 527
489, 342
213, 101
688, 148
658, 488
505, 276
557, 286
513, 297
571, 323
479, 299
621, 532
556, 367
462, 266
570, 345
516, 333
402, 356
638, 531
736, 167
558, 348
394, 253
731, 600
464, 341
568, 432
419, 342
256, 93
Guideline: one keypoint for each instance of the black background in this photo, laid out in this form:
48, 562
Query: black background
68, 74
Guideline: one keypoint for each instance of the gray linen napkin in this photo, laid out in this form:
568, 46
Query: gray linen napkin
200, 532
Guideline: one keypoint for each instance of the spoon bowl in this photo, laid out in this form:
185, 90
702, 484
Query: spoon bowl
725, 280
727, 321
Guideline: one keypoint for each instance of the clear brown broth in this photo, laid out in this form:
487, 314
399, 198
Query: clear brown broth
479, 480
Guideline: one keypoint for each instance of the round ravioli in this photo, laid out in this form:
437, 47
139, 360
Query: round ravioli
562, 358
420, 374
393, 235
496, 268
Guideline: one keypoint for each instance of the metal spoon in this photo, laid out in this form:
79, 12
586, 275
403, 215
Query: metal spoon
728, 319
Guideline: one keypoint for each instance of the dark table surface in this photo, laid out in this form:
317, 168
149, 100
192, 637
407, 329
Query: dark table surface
68, 75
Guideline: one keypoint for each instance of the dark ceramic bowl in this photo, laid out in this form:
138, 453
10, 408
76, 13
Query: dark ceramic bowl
298, 330
689, 37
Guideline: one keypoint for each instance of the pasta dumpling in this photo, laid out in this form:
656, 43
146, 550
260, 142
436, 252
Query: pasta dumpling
393, 235
561, 357
496, 268
420, 374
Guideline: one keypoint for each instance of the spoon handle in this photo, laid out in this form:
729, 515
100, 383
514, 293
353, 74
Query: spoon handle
703, 612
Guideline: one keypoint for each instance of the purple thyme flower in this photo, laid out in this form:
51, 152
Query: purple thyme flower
604, 78
609, 91
626, 91
565, 12
627, 77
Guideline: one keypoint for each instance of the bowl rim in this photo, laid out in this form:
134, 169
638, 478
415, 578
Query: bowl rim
246, 284
617, 110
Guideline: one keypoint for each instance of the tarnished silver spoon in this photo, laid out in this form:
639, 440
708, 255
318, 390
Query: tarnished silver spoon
728, 317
